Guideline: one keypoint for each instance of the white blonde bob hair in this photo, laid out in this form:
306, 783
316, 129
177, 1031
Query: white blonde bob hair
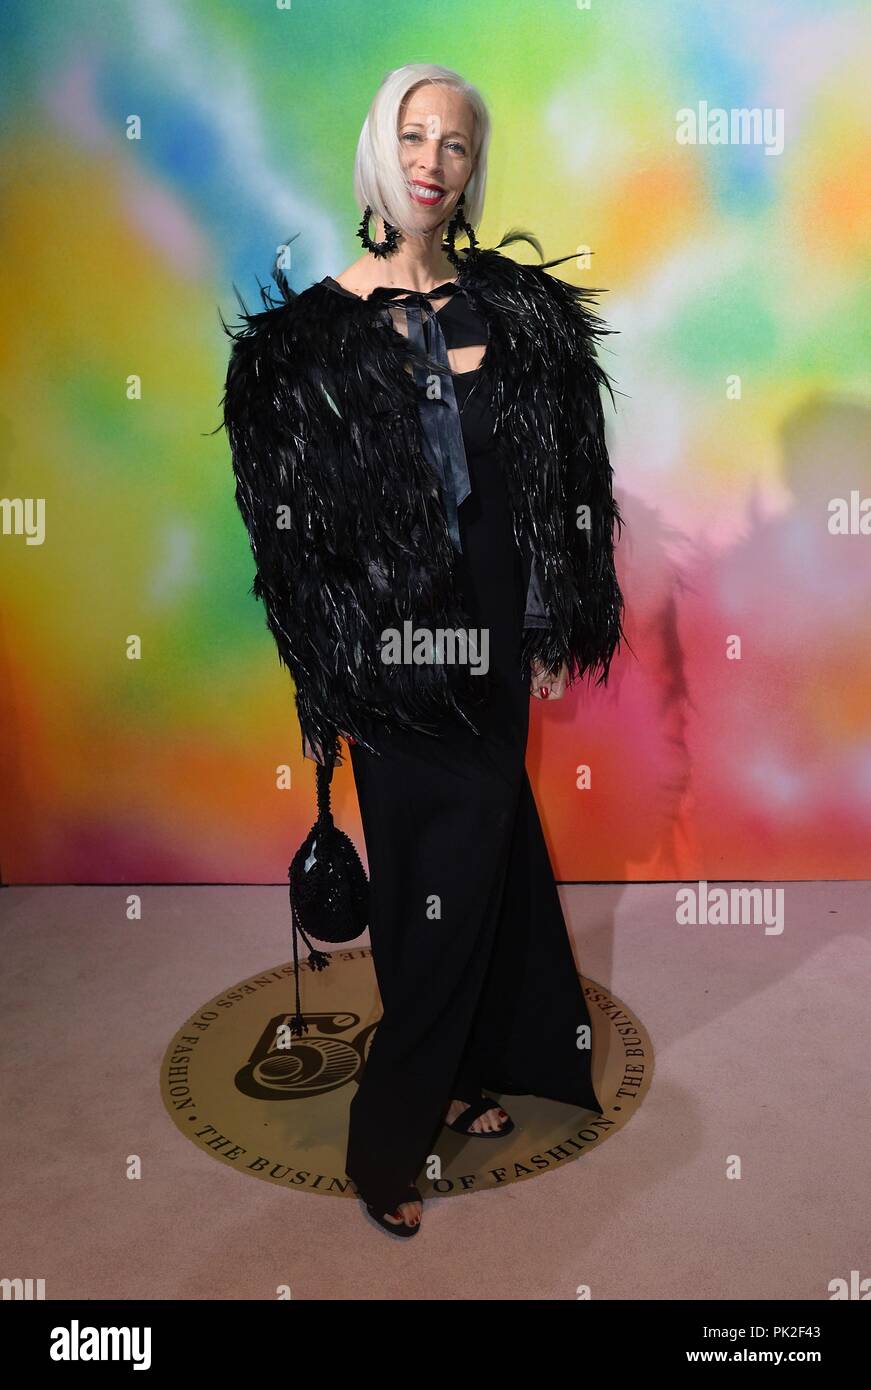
379, 182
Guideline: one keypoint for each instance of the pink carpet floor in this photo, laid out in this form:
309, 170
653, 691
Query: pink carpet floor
760, 1051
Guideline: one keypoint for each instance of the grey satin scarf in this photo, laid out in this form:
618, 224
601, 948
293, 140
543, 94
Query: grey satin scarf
440, 417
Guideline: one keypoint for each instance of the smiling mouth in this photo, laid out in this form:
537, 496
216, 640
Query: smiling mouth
426, 193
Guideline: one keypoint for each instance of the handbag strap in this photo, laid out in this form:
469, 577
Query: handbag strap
324, 778
317, 960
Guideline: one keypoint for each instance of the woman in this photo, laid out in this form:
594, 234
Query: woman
419, 453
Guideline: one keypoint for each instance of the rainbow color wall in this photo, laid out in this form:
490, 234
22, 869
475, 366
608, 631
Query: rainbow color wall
156, 154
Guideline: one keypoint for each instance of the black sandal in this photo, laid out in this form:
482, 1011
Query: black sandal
397, 1228
475, 1110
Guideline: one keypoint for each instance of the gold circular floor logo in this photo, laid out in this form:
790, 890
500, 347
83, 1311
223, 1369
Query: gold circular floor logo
281, 1114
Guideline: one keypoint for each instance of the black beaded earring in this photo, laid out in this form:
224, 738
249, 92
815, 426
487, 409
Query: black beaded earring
378, 248
458, 223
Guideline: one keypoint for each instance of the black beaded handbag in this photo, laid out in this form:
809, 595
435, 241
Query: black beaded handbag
329, 890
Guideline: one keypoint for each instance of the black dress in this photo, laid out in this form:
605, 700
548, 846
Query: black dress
477, 979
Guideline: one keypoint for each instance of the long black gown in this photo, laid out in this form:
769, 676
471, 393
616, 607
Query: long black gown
477, 979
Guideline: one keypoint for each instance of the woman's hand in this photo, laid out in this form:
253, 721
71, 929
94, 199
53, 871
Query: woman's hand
544, 685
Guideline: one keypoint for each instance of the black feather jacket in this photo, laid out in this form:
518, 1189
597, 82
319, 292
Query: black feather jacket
344, 512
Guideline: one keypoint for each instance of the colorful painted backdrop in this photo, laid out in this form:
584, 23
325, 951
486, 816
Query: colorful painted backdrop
155, 154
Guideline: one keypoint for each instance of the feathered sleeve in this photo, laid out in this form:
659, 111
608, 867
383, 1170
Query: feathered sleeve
587, 626
280, 455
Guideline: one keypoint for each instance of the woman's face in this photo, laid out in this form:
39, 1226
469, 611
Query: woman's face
436, 128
